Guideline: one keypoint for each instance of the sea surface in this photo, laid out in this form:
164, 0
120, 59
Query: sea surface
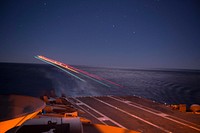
163, 86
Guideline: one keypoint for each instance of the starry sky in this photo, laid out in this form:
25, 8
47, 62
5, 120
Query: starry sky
106, 33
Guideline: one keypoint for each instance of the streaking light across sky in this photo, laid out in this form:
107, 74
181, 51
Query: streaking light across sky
60, 69
95, 76
75, 70
135, 34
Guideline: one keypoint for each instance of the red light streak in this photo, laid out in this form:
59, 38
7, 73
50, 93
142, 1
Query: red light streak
76, 70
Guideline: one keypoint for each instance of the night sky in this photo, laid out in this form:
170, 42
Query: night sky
106, 33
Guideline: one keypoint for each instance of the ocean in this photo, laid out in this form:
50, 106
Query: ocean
163, 86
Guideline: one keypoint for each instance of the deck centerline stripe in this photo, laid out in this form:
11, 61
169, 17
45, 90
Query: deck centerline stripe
160, 114
134, 116
116, 123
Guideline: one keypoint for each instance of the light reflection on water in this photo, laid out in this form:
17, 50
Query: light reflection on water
161, 86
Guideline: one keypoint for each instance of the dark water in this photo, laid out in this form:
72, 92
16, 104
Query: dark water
164, 86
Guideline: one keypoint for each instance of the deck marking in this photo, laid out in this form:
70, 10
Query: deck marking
103, 118
163, 114
93, 115
106, 117
155, 111
127, 101
145, 121
78, 104
166, 116
159, 114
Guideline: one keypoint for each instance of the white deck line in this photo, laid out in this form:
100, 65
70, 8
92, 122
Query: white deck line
106, 117
145, 121
149, 109
91, 114
163, 115
79, 105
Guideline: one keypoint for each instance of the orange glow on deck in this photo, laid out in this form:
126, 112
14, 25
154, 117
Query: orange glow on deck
6, 125
98, 128
18, 110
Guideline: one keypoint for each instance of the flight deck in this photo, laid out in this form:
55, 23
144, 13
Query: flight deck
136, 114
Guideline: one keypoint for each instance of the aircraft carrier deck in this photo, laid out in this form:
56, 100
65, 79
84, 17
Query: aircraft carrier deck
98, 114
126, 112
136, 113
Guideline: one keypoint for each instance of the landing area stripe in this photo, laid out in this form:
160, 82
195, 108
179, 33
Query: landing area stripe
104, 116
134, 116
163, 115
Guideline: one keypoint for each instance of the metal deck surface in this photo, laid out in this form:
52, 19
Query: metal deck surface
136, 114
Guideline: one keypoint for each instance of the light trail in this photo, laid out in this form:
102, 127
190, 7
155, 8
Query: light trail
51, 62
78, 71
61, 69
56, 63
95, 80
94, 76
